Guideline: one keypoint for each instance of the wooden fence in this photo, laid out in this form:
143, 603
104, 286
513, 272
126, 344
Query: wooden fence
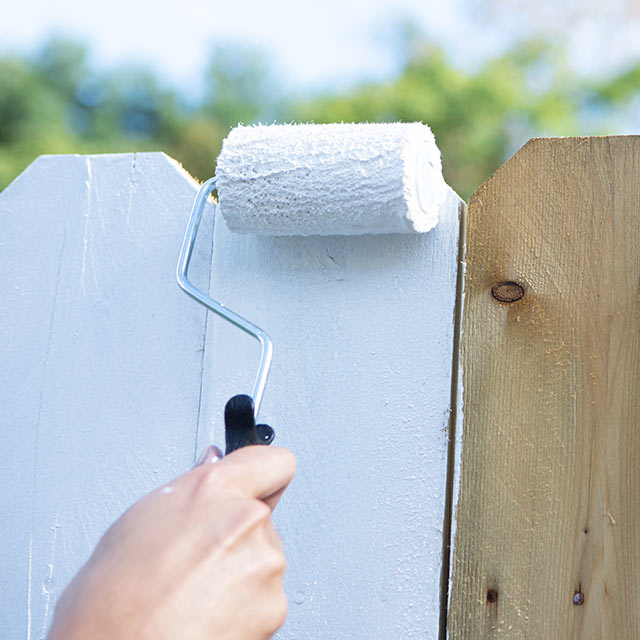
548, 536
403, 522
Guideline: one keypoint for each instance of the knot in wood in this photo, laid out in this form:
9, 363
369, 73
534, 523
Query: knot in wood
507, 292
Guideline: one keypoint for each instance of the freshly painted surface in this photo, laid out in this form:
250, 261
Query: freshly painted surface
100, 365
108, 388
360, 390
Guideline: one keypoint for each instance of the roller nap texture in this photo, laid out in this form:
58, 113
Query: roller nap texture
330, 179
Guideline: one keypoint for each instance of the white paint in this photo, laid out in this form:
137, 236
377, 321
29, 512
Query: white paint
330, 179
101, 389
360, 391
459, 396
100, 365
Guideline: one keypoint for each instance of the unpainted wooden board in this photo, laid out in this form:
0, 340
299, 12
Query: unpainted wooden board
549, 507
101, 358
360, 391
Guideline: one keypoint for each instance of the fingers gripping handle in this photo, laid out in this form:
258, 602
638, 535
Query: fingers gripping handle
240, 425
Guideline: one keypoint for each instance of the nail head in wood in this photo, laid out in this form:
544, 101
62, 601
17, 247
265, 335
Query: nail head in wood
507, 292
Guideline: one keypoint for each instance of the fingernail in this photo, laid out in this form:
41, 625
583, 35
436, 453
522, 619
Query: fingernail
210, 455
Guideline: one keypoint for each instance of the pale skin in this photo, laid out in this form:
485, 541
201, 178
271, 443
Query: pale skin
196, 559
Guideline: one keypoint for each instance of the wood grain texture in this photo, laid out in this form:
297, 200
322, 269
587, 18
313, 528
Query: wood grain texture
100, 361
549, 506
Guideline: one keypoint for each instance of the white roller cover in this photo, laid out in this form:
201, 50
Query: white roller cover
330, 179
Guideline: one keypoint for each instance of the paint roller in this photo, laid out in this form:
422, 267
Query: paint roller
313, 179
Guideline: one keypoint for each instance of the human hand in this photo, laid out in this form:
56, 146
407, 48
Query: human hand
197, 558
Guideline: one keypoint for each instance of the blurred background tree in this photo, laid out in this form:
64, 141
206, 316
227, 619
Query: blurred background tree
54, 102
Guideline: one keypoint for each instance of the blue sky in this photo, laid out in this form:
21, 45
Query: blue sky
311, 44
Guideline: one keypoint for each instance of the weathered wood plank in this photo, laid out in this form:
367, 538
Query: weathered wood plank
360, 391
549, 507
100, 364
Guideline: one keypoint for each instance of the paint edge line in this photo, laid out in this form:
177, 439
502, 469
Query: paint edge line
454, 416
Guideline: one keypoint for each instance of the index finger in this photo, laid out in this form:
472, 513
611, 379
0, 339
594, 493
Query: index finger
259, 471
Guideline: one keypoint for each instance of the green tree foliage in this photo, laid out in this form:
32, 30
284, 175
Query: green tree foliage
54, 102
239, 86
478, 117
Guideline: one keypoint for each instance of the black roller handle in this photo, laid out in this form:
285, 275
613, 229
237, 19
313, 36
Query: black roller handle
240, 425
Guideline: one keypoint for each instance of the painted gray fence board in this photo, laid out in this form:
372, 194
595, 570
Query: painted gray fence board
360, 391
101, 358
101, 388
